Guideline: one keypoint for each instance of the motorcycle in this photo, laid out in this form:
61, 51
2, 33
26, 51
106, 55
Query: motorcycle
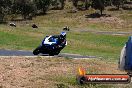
49, 46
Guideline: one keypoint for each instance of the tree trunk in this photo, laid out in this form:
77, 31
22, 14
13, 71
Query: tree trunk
75, 2
101, 11
86, 4
62, 4
44, 10
118, 7
24, 17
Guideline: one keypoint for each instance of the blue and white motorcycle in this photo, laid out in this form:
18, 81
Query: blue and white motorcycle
50, 45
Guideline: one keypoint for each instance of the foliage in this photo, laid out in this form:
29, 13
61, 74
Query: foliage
29, 8
42, 5
118, 3
24, 7
98, 4
4, 8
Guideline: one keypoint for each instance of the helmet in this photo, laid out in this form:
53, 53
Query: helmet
63, 35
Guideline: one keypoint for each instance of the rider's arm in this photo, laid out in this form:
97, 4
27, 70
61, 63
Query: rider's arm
62, 44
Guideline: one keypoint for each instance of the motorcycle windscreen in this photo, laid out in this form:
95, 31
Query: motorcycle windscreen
51, 40
122, 58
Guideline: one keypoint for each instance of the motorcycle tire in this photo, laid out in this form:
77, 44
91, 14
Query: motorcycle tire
36, 51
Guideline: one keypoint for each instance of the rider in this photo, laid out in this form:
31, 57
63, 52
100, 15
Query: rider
62, 40
58, 40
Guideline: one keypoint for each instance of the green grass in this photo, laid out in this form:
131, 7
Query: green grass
85, 43
17, 40
95, 44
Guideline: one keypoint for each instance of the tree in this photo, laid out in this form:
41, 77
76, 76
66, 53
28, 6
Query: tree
58, 4
1, 10
75, 2
43, 5
24, 7
86, 3
62, 3
4, 8
99, 5
118, 3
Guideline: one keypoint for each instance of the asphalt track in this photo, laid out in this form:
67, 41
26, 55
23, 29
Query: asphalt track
29, 53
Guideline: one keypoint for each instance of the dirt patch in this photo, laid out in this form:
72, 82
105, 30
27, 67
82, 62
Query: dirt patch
107, 20
22, 72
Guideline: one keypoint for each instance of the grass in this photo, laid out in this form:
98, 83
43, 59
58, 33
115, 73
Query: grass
79, 20
17, 41
85, 43
96, 44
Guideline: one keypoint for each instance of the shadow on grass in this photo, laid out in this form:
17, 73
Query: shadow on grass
41, 14
3, 22
20, 19
97, 15
130, 2
127, 8
61, 85
113, 9
56, 8
124, 8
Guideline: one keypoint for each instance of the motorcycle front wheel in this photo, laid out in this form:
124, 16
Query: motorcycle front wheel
37, 50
